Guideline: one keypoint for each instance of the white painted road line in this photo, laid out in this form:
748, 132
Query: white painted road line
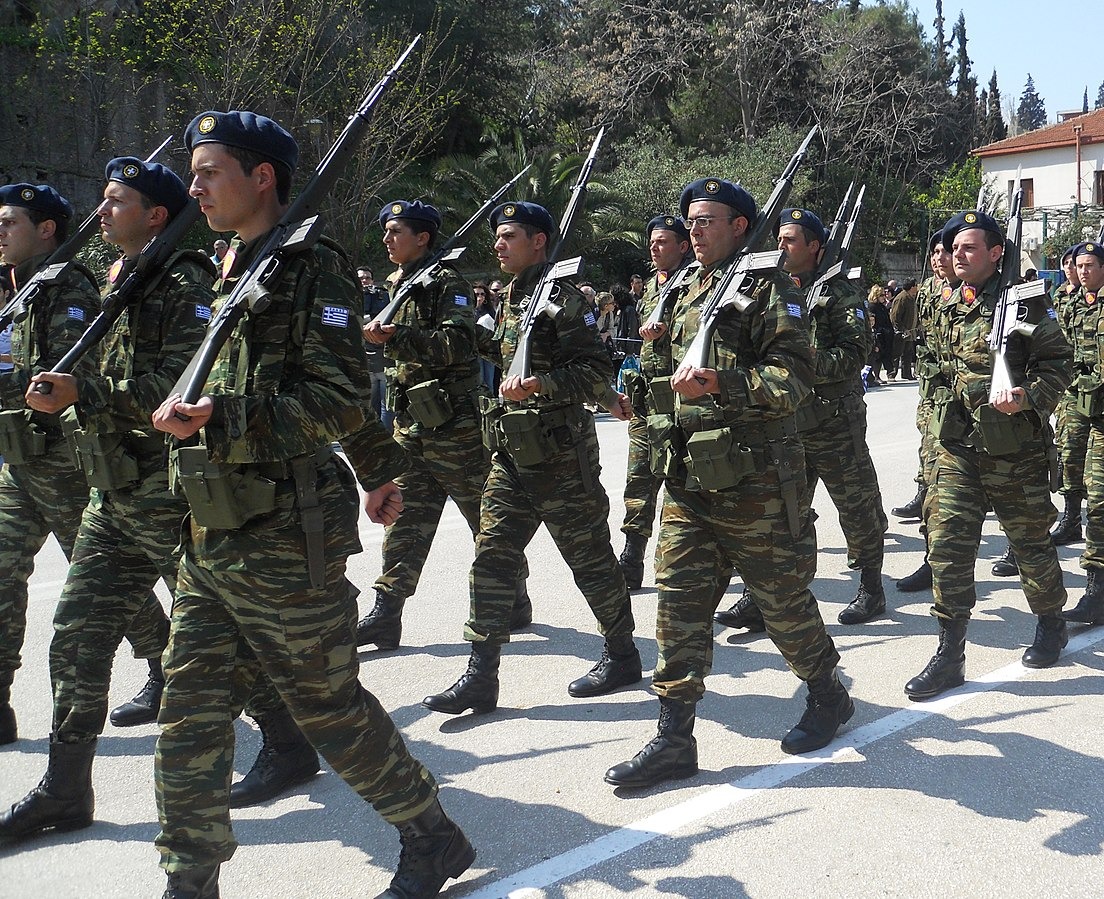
527, 884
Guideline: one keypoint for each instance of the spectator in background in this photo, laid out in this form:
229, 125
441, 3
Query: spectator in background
221, 246
636, 286
485, 318
904, 315
883, 333
375, 301
606, 321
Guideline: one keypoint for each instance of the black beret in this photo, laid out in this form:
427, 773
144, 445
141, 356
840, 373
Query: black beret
965, 221
935, 239
245, 130
162, 186
1089, 248
524, 214
806, 219
39, 197
669, 223
719, 191
416, 210
1066, 255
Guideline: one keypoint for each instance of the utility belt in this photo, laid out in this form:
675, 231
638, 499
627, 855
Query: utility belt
1090, 396
431, 403
109, 461
531, 436
650, 395
826, 402
984, 429
926, 373
21, 440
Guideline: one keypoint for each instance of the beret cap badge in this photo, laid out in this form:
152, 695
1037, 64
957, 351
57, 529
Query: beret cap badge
796, 215
206, 125
669, 220
396, 208
130, 171
1090, 247
712, 186
508, 211
970, 217
27, 193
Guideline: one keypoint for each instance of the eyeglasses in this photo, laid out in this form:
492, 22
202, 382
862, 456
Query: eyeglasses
704, 221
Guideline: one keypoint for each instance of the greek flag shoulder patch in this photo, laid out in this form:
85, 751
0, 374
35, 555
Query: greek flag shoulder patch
203, 313
588, 317
76, 313
335, 316
460, 300
861, 315
1052, 312
793, 309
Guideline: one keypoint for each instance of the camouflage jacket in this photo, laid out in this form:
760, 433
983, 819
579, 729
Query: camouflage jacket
568, 358
1042, 364
655, 355
933, 292
434, 335
293, 378
763, 356
1060, 297
148, 347
1082, 321
55, 322
840, 335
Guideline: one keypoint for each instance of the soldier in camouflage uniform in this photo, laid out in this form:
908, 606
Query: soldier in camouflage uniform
734, 479
41, 490
933, 292
544, 469
669, 247
1082, 313
264, 568
130, 530
990, 454
1072, 430
434, 387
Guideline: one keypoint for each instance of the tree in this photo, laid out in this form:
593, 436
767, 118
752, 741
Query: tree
1031, 113
1085, 102
1099, 97
940, 62
990, 119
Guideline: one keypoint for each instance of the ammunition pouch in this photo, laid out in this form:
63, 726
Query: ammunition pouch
926, 372
665, 447
105, 459
1090, 402
636, 389
788, 456
221, 496
524, 436
429, 404
949, 421
20, 440
661, 395
1000, 434
814, 412
716, 460
490, 411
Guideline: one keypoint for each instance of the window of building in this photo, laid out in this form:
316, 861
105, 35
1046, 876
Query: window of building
1028, 185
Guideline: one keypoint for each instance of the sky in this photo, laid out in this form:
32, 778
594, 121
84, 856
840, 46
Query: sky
1018, 37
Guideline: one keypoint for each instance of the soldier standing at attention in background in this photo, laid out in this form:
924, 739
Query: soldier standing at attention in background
990, 455
131, 528
544, 469
748, 508
434, 386
669, 247
291, 379
41, 489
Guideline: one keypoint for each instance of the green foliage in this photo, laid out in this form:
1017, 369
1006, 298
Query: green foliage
1031, 113
956, 190
1069, 231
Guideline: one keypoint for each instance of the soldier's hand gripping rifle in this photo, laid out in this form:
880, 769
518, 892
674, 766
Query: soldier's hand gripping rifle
148, 264
659, 314
748, 265
837, 248
1011, 309
450, 251
298, 228
544, 294
58, 264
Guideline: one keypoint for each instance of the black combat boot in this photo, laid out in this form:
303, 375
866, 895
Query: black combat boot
382, 626
914, 507
947, 668
672, 753
143, 708
619, 666
743, 614
1050, 639
9, 733
869, 602
433, 850
1067, 529
1006, 565
521, 615
286, 760
63, 799
632, 559
194, 883
920, 579
1090, 607
477, 688
827, 708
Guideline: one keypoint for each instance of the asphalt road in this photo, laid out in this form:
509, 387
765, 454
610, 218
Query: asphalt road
992, 790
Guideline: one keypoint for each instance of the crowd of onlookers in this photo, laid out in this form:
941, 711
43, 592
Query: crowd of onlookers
893, 319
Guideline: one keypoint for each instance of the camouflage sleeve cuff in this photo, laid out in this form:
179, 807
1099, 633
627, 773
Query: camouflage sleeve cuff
546, 386
733, 387
374, 455
225, 426
93, 395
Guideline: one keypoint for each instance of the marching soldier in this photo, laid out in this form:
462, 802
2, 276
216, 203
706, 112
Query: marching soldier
734, 494
544, 469
669, 247
990, 454
255, 572
131, 527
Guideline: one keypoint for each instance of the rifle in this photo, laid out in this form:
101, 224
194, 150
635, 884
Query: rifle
1011, 308
297, 229
673, 284
836, 249
547, 289
147, 264
748, 265
430, 270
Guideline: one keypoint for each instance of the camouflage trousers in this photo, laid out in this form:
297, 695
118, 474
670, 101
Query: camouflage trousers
836, 452
928, 443
967, 482
1093, 556
568, 498
37, 499
1072, 436
444, 462
127, 540
229, 617
641, 486
701, 535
